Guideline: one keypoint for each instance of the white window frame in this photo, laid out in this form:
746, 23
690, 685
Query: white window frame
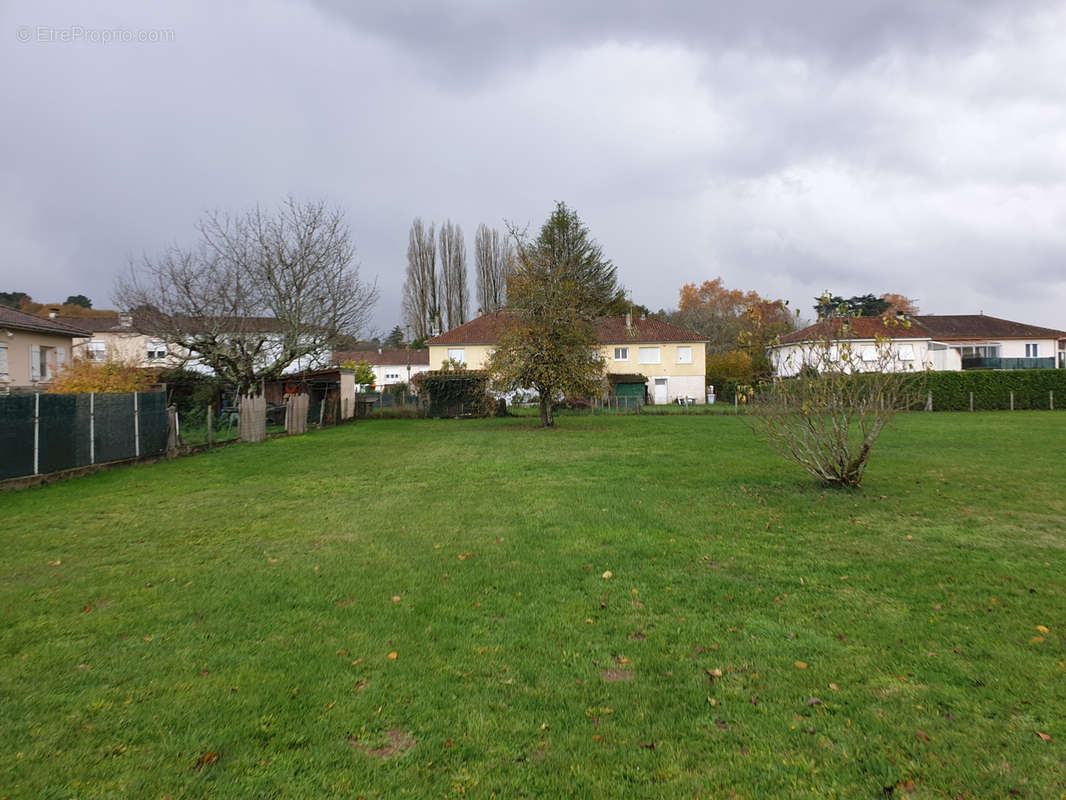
1032, 350
869, 353
153, 348
621, 354
906, 352
457, 354
684, 355
3, 360
96, 350
651, 355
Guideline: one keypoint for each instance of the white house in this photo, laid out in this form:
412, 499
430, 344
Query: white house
922, 341
390, 366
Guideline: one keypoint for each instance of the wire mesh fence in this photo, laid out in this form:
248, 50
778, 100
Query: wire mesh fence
43, 433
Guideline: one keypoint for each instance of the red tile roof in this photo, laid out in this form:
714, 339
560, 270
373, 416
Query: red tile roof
20, 320
384, 358
609, 330
858, 328
980, 326
941, 327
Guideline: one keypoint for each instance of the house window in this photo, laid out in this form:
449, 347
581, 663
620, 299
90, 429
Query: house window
3, 360
834, 353
457, 354
96, 350
1032, 350
392, 376
157, 350
621, 354
41, 362
869, 353
684, 355
649, 355
979, 351
906, 352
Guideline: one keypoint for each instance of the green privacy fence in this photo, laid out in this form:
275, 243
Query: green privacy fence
42, 433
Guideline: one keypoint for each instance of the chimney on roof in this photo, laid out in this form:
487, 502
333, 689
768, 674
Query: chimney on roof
51, 315
125, 320
379, 351
629, 320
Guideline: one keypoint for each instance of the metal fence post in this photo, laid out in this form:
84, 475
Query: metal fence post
971, 401
1012, 401
92, 427
1051, 400
36, 431
136, 427
211, 424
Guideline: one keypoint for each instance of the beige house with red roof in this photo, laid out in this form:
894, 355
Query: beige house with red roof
33, 350
925, 341
671, 361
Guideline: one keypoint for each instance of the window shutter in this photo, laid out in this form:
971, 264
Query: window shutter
35, 362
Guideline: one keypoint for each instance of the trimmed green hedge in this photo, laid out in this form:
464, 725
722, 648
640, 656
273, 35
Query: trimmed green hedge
991, 389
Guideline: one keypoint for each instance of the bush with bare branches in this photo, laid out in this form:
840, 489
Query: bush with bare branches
828, 416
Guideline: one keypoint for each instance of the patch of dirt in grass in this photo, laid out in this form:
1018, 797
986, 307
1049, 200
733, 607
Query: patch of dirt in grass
616, 674
399, 743
344, 602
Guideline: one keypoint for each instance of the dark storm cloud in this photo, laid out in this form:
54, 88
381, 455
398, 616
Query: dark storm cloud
472, 38
909, 146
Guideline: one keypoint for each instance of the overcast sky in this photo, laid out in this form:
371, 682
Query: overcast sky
912, 146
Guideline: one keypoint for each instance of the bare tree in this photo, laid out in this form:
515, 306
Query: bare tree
455, 294
827, 417
421, 305
260, 292
494, 259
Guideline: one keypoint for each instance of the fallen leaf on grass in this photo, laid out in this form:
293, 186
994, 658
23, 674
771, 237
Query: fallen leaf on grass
55, 563
147, 638
1043, 736
921, 735
646, 745
1037, 640
84, 667
396, 598
799, 664
393, 655
814, 701
464, 556
834, 687
608, 575
206, 759
1042, 629
448, 742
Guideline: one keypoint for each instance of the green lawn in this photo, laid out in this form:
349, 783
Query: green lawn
221, 625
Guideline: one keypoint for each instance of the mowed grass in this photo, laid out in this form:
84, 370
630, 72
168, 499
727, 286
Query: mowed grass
222, 625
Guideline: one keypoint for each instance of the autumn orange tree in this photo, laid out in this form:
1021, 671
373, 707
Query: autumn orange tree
83, 376
561, 282
738, 325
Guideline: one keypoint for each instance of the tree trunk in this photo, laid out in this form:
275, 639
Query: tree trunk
546, 418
